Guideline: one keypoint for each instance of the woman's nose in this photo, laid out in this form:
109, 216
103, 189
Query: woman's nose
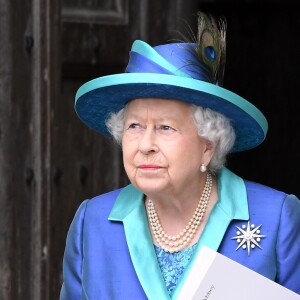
148, 141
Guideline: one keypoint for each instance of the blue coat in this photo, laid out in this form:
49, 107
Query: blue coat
110, 255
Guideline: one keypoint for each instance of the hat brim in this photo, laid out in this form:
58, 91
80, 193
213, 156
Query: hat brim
96, 99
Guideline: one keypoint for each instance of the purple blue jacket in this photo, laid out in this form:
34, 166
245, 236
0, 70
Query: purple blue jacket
110, 255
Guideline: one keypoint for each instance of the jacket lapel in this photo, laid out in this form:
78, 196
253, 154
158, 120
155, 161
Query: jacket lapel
129, 209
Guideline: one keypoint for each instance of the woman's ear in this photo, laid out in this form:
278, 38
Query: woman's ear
209, 151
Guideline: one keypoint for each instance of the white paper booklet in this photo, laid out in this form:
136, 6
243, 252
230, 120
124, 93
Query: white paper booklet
217, 277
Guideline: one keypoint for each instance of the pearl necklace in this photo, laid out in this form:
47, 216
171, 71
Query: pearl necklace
178, 242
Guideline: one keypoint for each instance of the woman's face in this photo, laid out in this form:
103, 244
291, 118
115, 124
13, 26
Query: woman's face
162, 151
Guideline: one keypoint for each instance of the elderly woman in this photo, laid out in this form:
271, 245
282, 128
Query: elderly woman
176, 126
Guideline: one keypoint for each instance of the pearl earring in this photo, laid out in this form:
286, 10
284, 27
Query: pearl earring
203, 168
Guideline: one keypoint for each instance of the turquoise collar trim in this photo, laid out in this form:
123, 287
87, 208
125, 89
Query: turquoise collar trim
129, 209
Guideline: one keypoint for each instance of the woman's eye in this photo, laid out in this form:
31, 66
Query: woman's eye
166, 129
133, 125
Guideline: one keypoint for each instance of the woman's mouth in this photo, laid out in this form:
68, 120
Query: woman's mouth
149, 167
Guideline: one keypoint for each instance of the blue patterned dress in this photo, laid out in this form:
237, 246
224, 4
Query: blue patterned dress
172, 265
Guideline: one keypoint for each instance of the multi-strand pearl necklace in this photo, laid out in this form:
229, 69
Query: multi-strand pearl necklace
175, 243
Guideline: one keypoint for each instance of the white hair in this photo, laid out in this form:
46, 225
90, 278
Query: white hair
217, 129
211, 126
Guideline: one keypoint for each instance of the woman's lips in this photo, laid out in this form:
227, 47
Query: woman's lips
149, 167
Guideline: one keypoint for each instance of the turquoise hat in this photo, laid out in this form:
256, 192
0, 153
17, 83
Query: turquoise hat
170, 71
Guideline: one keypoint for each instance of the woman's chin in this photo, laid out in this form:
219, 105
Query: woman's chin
152, 186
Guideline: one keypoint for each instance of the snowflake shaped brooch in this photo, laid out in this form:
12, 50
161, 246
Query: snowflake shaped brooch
248, 237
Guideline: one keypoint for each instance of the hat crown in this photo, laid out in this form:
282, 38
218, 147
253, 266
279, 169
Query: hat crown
178, 59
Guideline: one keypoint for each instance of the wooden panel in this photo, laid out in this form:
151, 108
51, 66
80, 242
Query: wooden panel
97, 11
6, 209
17, 183
28, 71
96, 49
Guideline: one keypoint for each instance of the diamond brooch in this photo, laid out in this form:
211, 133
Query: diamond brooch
248, 237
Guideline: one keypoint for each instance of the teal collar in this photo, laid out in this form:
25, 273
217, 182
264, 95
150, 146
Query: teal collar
129, 209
